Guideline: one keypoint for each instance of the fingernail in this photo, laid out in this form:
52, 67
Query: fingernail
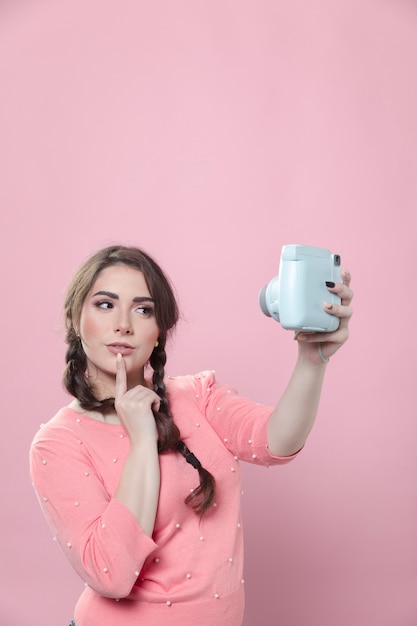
330, 283
328, 306
118, 357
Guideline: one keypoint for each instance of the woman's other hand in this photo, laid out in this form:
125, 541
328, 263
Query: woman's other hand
331, 342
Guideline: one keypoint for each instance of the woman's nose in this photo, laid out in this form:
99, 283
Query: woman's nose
123, 325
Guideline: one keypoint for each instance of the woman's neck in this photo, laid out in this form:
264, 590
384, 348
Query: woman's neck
110, 417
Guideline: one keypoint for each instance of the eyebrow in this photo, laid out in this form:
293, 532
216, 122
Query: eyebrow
114, 296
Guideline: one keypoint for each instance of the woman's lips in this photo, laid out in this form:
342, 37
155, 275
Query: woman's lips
120, 348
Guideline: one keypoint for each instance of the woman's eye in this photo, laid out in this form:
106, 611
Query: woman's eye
103, 304
146, 310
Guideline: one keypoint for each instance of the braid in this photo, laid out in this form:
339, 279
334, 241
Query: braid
75, 380
169, 437
202, 497
169, 434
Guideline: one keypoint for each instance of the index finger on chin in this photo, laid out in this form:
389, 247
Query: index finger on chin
121, 381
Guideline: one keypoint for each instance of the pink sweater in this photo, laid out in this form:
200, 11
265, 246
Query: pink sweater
190, 573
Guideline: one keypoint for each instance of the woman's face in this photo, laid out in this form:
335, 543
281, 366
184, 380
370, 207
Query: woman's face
118, 315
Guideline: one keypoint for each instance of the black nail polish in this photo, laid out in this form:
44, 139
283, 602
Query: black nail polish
330, 284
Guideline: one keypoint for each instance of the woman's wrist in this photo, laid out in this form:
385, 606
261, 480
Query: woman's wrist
309, 356
323, 359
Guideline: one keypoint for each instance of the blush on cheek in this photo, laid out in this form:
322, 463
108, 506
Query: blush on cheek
89, 328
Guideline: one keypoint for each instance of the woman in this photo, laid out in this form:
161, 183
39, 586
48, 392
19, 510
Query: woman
139, 478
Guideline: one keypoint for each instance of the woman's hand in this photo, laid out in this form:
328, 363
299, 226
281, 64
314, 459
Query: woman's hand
134, 407
139, 484
330, 342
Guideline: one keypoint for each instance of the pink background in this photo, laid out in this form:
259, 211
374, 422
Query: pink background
212, 133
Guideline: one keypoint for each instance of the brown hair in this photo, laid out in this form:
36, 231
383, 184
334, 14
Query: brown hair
166, 314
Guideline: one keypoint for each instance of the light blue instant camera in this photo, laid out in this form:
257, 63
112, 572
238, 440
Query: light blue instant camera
295, 297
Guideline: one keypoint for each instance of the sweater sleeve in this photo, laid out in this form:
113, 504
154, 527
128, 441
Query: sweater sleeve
99, 535
240, 423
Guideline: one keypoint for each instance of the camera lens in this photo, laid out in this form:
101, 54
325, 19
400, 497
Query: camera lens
336, 259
